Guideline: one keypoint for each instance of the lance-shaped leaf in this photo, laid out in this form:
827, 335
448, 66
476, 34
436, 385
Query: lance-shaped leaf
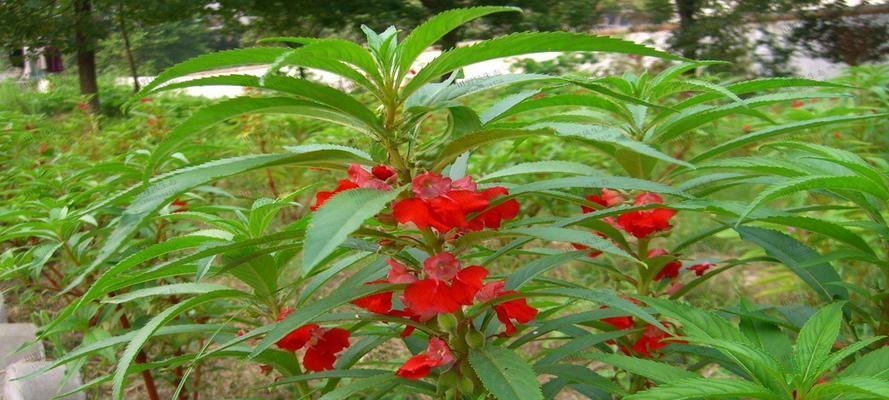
705, 388
822, 277
525, 43
222, 59
505, 374
341, 215
166, 187
435, 28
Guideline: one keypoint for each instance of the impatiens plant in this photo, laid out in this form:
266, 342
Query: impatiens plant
399, 247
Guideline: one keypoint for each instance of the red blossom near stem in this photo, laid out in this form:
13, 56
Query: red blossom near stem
507, 311
181, 205
322, 196
620, 322
382, 172
493, 216
358, 178
700, 269
797, 103
379, 303
321, 344
444, 205
670, 269
645, 222
652, 340
445, 288
606, 198
145, 100
437, 354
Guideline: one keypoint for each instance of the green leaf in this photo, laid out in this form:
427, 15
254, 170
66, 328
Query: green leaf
815, 340
705, 388
816, 182
166, 187
556, 234
525, 43
360, 386
874, 364
429, 32
220, 112
166, 290
872, 388
504, 374
580, 374
696, 322
473, 140
542, 167
609, 135
600, 181
604, 297
761, 84
527, 272
576, 345
560, 100
228, 58
308, 312
341, 215
821, 277
656, 371
777, 130
692, 118
148, 330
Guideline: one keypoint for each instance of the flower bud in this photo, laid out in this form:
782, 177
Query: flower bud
475, 339
466, 385
447, 322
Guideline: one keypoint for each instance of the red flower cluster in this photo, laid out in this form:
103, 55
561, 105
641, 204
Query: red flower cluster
517, 309
445, 205
446, 287
670, 269
700, 269
322, 344
645, 222
358, 178
652, 338
437, 354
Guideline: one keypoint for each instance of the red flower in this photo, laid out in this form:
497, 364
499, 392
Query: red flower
701, 268
645, 222
323, 196
145, 100
652, 339
181, 206
358, 178
797, 103
670, 269
445, 288
492, 217
382, 172
517, 309
443, 204
437, 354
606, 198
621, 322
380, 303
323, 344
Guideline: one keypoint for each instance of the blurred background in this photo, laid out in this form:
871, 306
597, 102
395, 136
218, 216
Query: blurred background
107, 42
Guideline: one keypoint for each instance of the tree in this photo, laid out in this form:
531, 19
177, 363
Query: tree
78, 26
833, 34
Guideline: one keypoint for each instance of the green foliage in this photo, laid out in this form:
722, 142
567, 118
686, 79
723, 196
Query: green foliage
178, 235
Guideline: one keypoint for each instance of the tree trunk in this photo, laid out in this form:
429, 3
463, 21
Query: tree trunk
686, 37
86, 53
128, 49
